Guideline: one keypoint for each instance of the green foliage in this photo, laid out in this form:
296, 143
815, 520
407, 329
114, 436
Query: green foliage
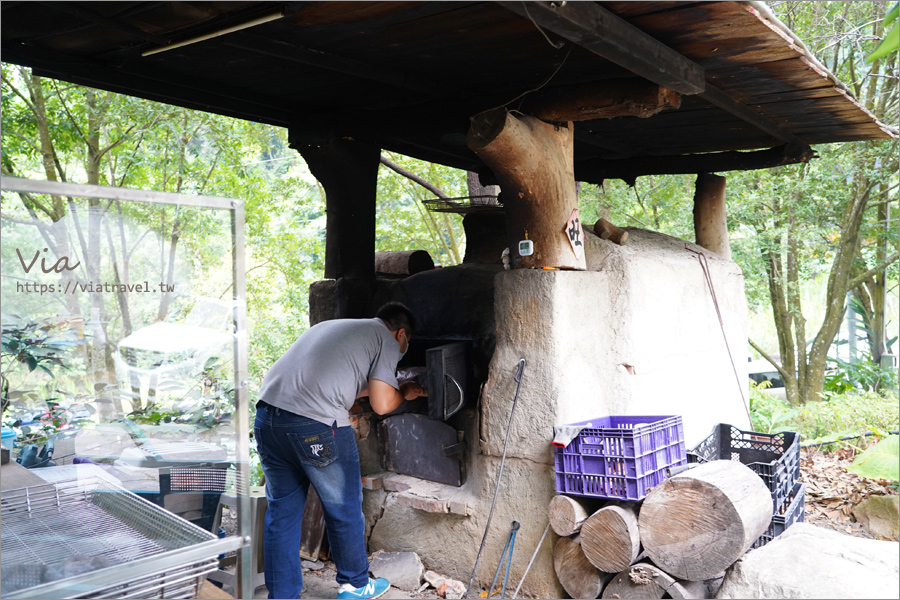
881, 461
862, 373
767, 413
35, 343
658, 203
850, 413
404, 223
891, 40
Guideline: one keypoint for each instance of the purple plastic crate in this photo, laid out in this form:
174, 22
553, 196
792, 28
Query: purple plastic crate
620, 457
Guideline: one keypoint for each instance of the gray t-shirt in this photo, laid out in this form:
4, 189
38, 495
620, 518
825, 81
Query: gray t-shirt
323, 372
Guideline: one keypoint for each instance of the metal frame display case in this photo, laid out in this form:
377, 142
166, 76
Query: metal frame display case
129, 542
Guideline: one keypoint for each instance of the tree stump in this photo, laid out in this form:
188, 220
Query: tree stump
610, 538
698, 523
577, 575
533, 162
566, 515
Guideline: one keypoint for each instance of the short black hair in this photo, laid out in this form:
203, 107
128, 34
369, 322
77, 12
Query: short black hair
397, 316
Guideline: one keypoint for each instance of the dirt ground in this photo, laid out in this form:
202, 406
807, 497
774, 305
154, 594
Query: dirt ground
832, 491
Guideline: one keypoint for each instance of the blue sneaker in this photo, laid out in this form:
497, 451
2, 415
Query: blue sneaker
374, 589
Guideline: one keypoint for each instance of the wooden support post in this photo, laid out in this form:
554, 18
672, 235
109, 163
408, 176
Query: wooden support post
533, 162
348, 171
710, 223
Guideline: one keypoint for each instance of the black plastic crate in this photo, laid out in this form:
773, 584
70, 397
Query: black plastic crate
775, 457
792, 511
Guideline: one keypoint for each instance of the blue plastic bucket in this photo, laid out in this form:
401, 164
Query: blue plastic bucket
8, 437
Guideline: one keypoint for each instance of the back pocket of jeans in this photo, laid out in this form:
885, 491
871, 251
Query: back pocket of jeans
317, 449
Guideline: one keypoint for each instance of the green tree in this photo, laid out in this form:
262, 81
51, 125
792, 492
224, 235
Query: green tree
829, 215
404, 221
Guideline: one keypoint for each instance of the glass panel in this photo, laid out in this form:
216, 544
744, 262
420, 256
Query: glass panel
120, 332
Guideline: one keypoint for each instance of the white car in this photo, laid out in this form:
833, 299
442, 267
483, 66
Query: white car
177, 351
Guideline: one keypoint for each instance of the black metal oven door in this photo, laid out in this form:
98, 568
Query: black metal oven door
422, 447
448, 378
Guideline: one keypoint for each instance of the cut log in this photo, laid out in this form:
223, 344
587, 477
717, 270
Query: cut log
604, 100
577, 575
610, 538
710, 223
607, 231
566, 515
407, 262
644, 580
696, 524
533, 163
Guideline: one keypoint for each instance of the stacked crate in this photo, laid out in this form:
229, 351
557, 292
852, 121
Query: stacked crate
620, 457
775, 457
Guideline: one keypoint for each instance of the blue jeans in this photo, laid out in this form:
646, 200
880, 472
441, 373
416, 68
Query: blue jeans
296, 451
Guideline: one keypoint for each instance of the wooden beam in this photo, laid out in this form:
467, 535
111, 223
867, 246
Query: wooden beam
601, 31
609, 99
604, 33
629, 169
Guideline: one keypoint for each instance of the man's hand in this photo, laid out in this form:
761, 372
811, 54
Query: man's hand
410, 390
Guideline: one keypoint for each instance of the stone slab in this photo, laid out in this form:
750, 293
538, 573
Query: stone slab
812, 562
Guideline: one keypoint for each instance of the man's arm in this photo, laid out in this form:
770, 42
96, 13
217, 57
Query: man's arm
384, 398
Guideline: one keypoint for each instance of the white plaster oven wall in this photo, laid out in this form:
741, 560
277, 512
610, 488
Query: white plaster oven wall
645, 304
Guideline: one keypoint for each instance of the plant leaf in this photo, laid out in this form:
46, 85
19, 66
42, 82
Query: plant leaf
881, 461
888, 44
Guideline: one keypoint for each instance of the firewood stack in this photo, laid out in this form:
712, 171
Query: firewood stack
677, 542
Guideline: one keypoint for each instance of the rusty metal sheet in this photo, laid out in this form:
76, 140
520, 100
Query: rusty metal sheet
422, 447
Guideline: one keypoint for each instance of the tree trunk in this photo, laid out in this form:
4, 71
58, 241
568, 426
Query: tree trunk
100, 357
348, 171
577, 575
566, 515
710, 221
698, 523
836, 291
644, 580
166, 298
610, 538
533, 162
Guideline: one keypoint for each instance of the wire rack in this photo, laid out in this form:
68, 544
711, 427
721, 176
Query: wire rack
464, 204
69, 531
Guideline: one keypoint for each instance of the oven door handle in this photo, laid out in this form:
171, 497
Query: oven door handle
462, 396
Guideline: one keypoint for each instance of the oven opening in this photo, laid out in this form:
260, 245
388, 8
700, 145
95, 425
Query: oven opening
425, 437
